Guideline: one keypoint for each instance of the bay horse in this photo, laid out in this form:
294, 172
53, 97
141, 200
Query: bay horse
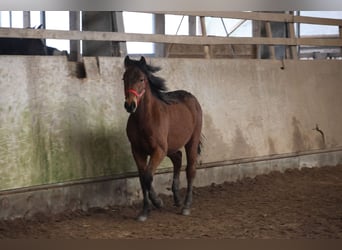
159, 125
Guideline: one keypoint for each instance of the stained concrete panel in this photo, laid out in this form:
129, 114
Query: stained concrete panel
57, 128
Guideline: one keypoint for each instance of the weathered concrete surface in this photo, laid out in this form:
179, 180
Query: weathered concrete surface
125, 191
57, 128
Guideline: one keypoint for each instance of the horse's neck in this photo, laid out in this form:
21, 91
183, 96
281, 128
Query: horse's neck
146, 107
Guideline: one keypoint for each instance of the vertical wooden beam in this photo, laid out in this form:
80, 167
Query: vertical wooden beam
290, 27
340, 31
269, 34
10, 19
43, 19
26, 19
43, 22
256, 32
204, 33
159, 28
192, 25
298, 34
75, 48
119, 27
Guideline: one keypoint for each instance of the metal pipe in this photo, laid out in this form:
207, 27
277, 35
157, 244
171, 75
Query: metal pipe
167, 170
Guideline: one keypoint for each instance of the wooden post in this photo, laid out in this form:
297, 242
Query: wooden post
269, 34
293, 48
256, 32
26, 19
159, 28
43, 22
74, 24
43, 19
204, 33
118, 26
340, 31
192, 25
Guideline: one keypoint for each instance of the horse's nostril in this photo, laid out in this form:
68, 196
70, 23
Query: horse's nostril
130, 107
133, 106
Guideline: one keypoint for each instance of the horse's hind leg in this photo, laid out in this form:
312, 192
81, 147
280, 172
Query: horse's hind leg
191, 156
176, 159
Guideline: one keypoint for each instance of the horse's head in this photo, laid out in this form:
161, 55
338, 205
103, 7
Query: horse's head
135, 82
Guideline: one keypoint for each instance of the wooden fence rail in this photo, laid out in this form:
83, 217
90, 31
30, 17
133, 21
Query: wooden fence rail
260, 16
158, 38
289, 19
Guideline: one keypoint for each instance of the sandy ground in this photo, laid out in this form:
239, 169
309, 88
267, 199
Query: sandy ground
297, 204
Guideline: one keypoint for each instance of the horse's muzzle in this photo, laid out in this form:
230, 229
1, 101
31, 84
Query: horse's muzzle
130, 107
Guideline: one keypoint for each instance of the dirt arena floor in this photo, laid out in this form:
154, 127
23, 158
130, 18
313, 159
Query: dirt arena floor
298, 204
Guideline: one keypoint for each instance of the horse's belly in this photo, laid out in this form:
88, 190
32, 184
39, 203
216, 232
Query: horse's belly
181, 127
179, 135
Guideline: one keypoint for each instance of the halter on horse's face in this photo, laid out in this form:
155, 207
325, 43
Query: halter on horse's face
135, 86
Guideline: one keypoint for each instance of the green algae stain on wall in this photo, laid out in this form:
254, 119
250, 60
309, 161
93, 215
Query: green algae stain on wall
56, 129
15, 147
76, 140
15, 126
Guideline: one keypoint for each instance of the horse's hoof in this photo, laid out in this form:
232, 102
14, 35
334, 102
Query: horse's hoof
142, 218
177, 204
158, 204
186, 211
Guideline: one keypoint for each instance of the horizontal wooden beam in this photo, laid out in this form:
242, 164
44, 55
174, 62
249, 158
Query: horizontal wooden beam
158, 38
260, 16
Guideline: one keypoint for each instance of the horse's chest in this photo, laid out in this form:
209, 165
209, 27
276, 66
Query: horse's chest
145, 139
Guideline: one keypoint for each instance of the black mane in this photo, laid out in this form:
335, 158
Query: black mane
157, 84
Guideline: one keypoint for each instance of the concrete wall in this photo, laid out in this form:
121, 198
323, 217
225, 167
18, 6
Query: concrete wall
56, 128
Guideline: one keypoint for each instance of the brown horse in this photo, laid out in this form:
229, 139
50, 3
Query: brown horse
159, 125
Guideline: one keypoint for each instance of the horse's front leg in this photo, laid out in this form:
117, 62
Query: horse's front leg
141, 160
146, 172
146, 205
155, 159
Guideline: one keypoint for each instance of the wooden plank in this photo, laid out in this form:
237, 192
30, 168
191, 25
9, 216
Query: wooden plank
319, 42
159, 28
204, 34
75, 46
317, 20
292, 34
261, 16
257, 16
26, 19
269, 35
157, 38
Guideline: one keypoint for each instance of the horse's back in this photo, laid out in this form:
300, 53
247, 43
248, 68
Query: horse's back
178, 95
181, 96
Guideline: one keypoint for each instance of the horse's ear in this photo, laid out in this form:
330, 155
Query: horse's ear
143, 60
127, 62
